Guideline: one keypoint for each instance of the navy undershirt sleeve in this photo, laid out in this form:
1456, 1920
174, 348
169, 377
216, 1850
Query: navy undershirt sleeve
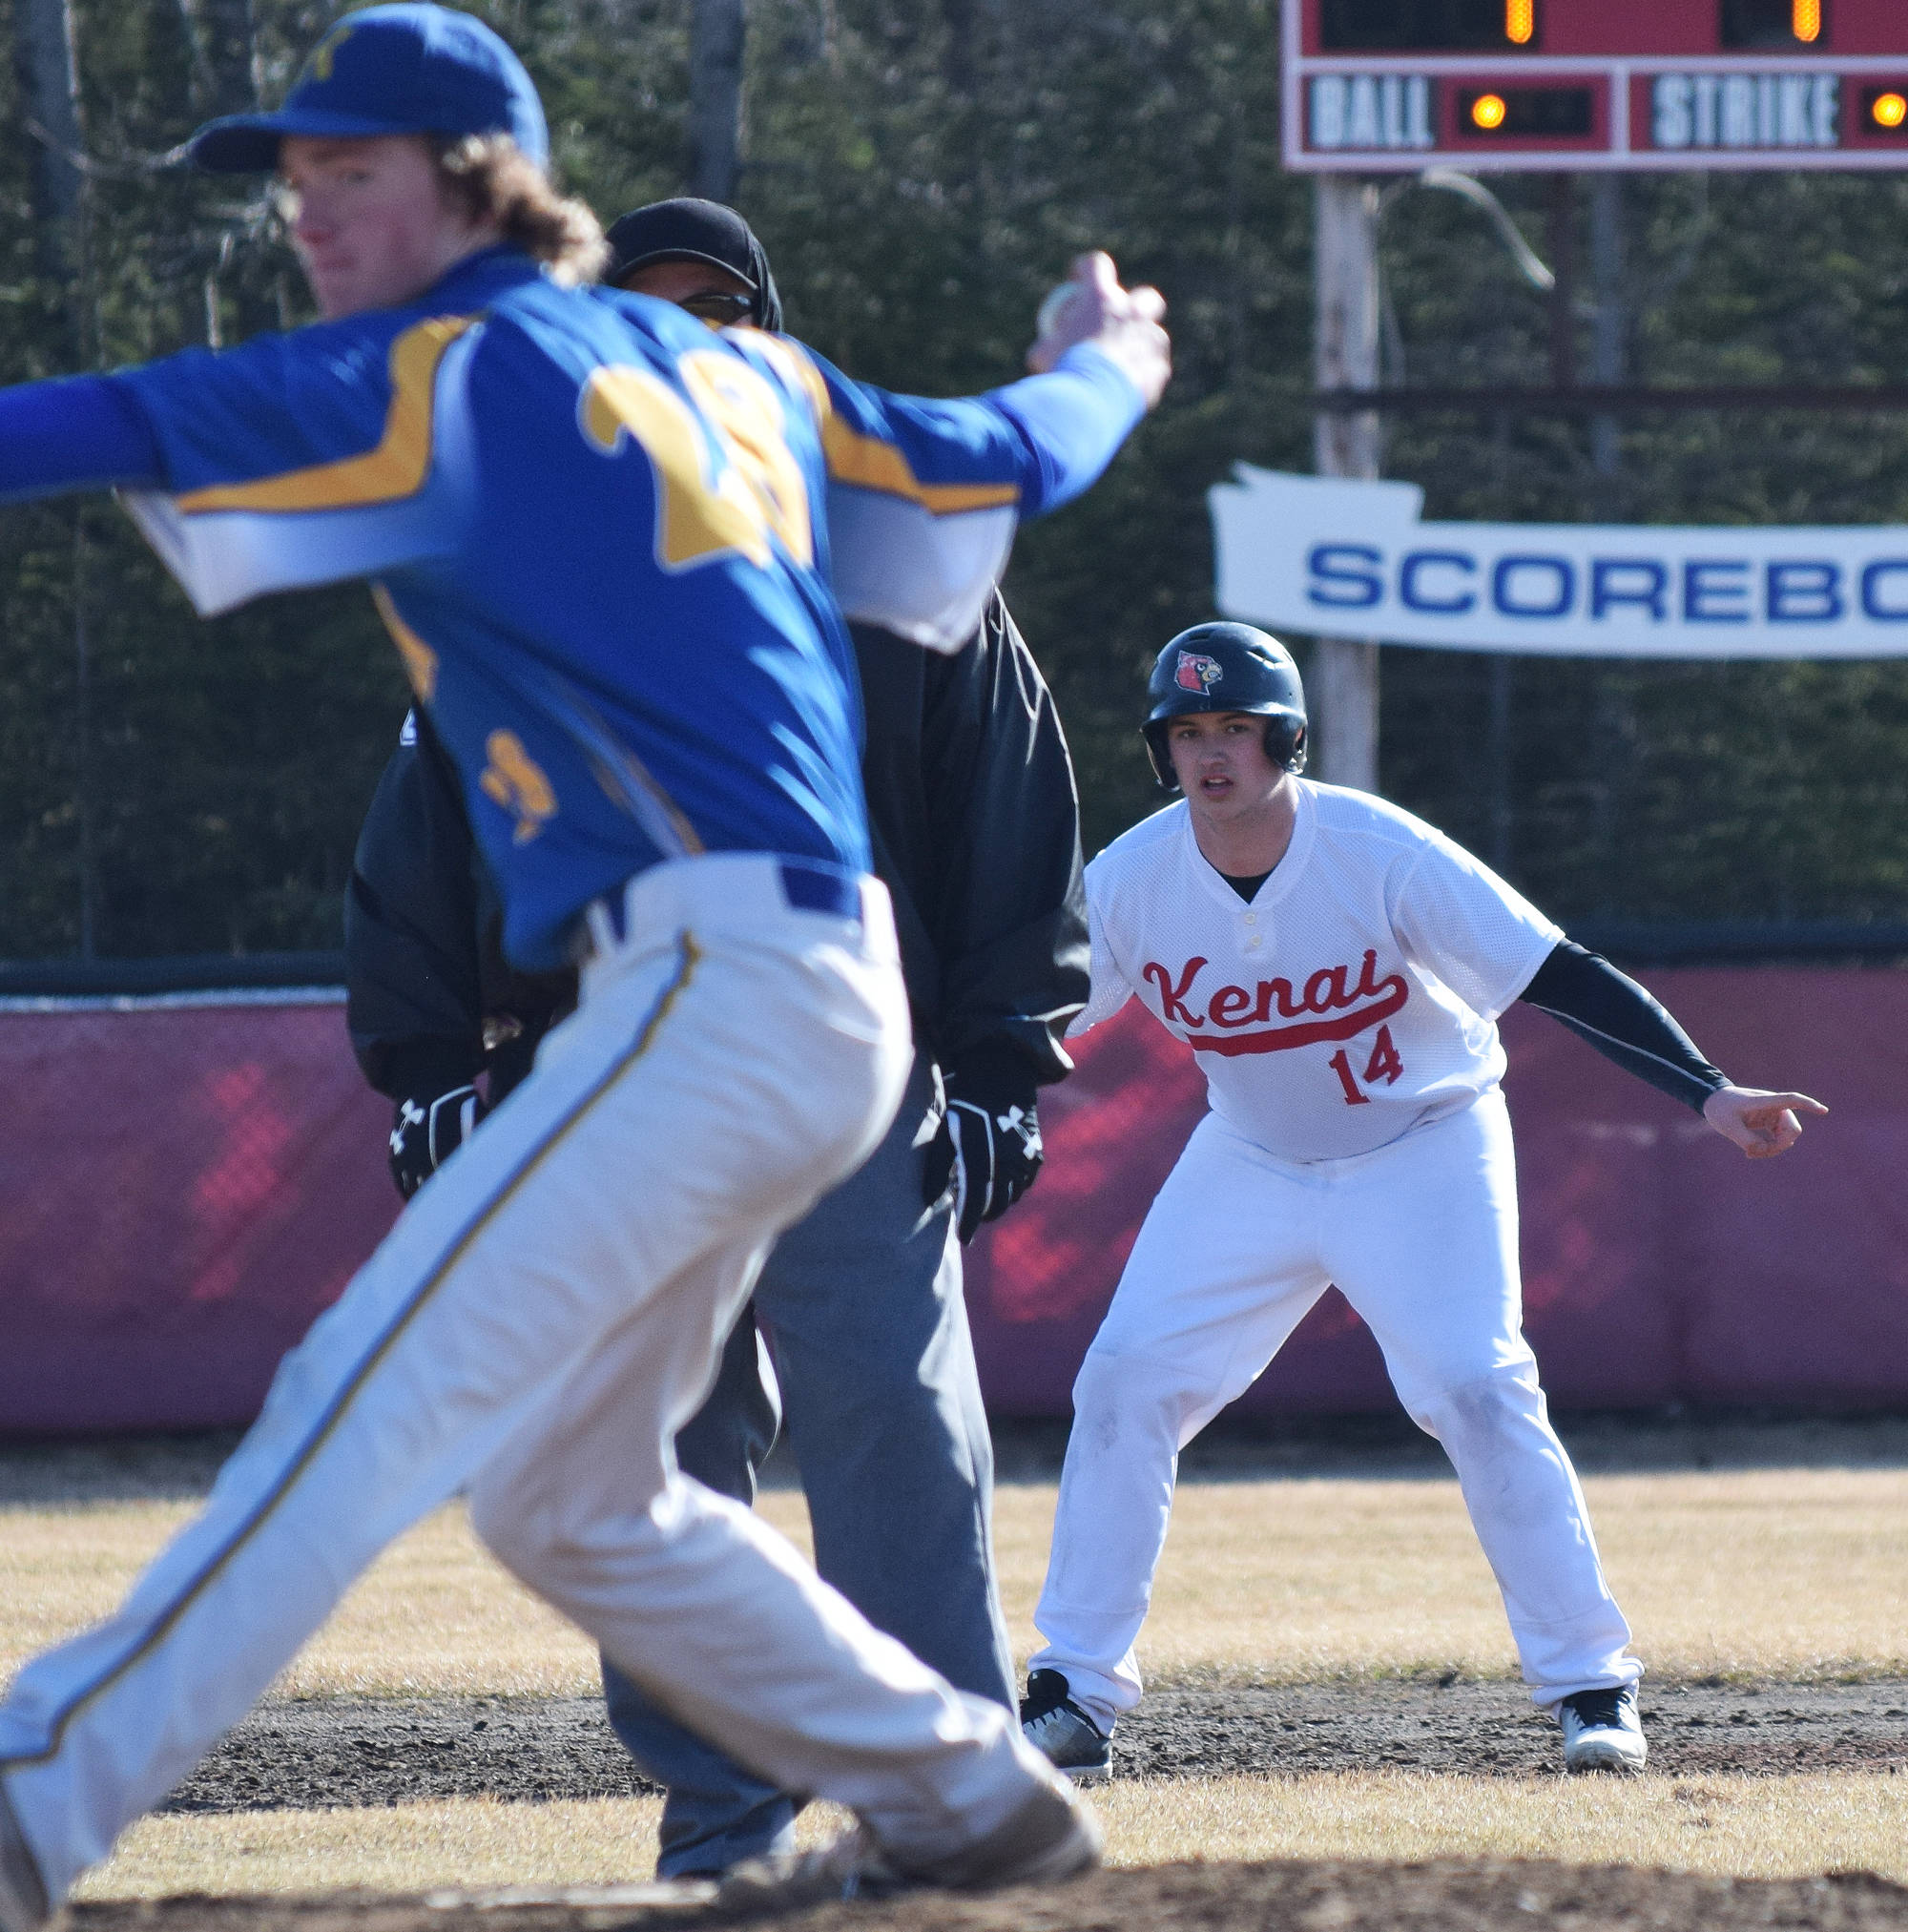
81, 432
1616, 1016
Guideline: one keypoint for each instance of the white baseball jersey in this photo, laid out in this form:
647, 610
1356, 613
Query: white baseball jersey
1355, 998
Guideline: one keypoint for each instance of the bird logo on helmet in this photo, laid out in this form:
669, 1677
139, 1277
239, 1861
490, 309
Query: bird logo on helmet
1227, 667
1196, 671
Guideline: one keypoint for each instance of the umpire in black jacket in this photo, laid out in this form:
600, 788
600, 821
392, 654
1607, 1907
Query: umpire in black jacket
976, 832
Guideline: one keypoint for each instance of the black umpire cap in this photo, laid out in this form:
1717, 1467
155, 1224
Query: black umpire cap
689, 229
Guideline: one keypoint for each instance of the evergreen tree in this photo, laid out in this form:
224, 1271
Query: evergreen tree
922, 172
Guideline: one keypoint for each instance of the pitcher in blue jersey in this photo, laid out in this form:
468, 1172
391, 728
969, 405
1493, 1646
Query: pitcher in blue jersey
613, 549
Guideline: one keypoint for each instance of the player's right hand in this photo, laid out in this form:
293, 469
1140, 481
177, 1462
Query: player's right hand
427, 1130
1762, 1124
1123, 324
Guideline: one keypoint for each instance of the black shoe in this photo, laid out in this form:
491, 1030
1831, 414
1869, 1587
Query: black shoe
1055, 1726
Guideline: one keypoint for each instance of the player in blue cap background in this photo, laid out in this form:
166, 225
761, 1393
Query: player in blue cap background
613, 549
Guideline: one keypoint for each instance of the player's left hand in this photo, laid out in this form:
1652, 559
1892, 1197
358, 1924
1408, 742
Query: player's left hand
988, 1147
1762, 1124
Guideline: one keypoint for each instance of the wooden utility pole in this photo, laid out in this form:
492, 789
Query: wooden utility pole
1614, 719
1611, 330
716, 37
1344, 673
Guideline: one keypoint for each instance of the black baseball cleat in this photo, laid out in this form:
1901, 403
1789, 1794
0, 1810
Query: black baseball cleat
24, 1906
1056, 1727
1602, 1730
1053, 1837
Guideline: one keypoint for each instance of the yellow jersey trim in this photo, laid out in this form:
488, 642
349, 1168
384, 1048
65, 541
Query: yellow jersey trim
420, 659
639, 775
515, 782
868, 462
395, 468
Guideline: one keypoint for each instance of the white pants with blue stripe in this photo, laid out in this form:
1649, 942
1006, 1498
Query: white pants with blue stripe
544, 1317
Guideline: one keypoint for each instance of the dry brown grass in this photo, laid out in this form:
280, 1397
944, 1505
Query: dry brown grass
1745, 1826
434, 1615
1784, 1573
409, 1848
1748, 1827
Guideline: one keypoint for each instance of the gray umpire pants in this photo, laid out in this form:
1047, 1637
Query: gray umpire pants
862, 1302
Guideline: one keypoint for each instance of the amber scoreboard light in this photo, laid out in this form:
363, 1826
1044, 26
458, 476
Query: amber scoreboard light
1373, 86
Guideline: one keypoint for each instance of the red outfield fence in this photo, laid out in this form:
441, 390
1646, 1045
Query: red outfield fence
182, 1190
1659, 1264
184, 1187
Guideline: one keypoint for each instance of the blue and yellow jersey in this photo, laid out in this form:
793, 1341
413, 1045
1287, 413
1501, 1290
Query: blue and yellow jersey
613, 549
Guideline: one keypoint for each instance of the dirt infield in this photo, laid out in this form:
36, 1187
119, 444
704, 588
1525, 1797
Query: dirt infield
343, 1752
1434, 1781
1442, 1897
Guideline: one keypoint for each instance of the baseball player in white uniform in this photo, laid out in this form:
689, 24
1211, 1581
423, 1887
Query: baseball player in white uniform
1337, 966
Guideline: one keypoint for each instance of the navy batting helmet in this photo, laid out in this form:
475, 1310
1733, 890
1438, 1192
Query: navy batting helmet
1227, 667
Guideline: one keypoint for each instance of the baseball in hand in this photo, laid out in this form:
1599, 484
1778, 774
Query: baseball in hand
1124, 323
1047, 321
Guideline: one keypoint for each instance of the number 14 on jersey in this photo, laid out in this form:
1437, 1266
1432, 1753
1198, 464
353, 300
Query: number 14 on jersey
1383, 1065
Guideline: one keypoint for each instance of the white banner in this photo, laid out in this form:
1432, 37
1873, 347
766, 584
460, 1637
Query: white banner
1352, 560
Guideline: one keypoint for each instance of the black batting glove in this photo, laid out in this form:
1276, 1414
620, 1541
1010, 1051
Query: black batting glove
425, 1132
988, 1147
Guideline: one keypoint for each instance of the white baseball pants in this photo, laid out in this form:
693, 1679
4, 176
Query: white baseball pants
1421, 1238
540, 1321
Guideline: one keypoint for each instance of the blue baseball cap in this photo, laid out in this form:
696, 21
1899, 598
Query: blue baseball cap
409, 69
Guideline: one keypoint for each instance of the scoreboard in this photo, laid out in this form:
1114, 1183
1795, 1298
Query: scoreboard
1375, 86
